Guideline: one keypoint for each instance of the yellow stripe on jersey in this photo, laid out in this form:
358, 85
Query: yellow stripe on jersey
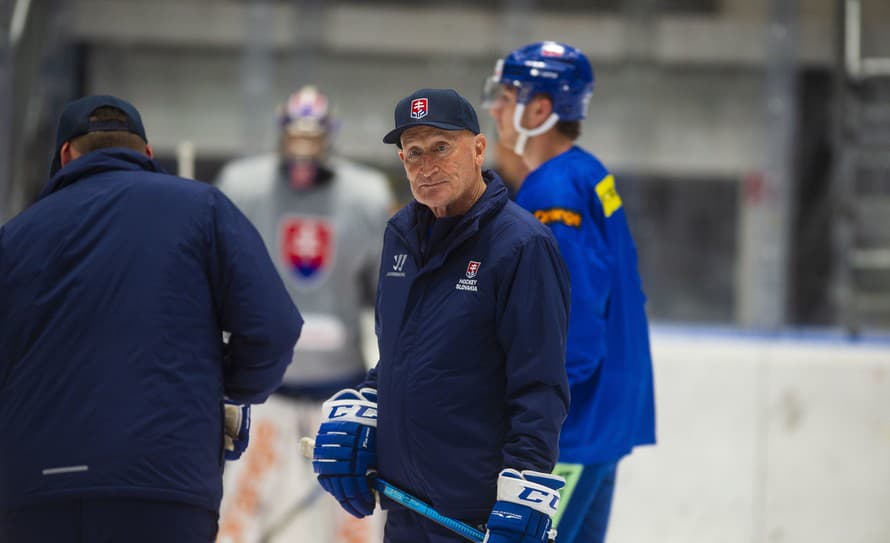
557, 214
608, 195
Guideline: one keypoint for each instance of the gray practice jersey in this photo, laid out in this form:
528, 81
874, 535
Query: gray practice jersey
326, 243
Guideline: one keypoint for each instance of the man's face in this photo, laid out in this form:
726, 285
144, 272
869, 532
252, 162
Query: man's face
443, 167
502, 112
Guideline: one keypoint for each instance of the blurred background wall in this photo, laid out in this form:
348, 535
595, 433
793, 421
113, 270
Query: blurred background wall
751, 144
732, 124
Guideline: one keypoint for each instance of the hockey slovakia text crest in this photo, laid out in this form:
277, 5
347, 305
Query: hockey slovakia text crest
307, 248
472, 268
419, 108
470, 284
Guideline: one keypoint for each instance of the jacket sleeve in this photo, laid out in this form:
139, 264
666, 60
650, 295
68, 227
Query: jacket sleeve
370, 380
532, 322
252, 304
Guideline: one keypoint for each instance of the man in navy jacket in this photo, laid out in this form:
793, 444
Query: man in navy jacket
470, 391
115, 288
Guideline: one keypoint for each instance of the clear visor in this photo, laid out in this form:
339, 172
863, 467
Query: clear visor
491, 85
491, 89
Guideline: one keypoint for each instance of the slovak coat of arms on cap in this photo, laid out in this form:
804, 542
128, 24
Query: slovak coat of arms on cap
419, 108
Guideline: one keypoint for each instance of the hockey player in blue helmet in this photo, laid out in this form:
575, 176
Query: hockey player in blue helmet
555, 70
538, 96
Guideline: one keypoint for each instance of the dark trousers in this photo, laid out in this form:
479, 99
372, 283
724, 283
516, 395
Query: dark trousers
108, 520
403, 526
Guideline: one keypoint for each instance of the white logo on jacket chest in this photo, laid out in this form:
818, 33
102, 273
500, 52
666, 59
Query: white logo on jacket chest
398, 266
470, 282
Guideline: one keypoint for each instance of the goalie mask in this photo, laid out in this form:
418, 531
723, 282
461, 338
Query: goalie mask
307, 129
556, 70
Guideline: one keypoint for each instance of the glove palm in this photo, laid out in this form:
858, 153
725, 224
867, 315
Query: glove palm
237, 429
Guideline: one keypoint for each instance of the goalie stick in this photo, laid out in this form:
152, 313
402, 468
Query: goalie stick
307, 444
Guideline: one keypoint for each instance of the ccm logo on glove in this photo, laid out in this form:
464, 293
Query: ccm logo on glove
534, 495
357, 411
527, 501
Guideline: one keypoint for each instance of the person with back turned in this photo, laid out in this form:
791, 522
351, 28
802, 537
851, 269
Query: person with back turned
119, 399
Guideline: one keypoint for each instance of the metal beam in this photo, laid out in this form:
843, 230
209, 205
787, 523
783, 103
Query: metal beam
765, 230
5, 109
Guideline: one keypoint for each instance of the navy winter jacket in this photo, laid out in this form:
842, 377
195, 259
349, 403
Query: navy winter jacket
114, 289
471, 324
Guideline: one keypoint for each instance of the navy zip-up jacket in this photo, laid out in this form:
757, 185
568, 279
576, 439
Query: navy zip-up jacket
471, 324
114, 289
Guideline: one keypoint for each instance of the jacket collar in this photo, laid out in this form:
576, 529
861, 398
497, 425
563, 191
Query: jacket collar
407, 225
101, 161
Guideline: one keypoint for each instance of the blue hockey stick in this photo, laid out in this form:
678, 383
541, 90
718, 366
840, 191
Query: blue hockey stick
422, 508
396, 494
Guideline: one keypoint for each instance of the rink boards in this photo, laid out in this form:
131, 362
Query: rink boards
762, 438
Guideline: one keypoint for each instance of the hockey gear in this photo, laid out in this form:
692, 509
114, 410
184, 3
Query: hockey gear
526, 503
556, 70
237, 429
307, 126
306, 112
401, 497
418, 506
346, 449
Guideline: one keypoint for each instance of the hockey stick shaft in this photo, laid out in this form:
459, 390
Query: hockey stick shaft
408, 501
422, 508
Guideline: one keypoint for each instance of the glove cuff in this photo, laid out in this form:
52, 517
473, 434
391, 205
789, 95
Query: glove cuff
514, 488
349, 405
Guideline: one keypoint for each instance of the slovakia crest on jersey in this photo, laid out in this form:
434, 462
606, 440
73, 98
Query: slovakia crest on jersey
472, 268
419, 108
307, 248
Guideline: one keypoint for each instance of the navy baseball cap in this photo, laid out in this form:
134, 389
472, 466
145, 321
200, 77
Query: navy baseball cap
75, 121
439, 108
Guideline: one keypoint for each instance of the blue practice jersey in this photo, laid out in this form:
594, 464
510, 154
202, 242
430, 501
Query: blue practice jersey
608, 361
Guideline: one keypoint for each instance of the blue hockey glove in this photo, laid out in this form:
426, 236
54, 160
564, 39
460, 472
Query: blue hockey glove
346, 449
237, 426
526, 503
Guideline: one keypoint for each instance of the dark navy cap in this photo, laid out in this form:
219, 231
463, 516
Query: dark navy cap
75, 121
439, 108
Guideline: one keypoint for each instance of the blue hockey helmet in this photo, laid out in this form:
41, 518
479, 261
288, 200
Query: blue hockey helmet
554, 69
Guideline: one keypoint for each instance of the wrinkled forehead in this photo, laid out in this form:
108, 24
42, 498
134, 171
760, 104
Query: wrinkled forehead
419, 135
